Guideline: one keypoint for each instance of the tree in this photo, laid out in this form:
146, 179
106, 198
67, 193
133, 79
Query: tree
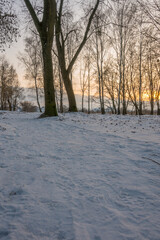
88, 68
58, 83
123, 13
157, 93
32, 61
45, 29
8, 23
100, 53
141, 37
83, 81
133, 76
9, 86
151, 73
111, 85
61, 48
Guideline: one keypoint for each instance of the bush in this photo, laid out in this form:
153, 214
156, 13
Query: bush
28, 107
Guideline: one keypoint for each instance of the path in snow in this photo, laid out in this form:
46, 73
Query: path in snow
79, 177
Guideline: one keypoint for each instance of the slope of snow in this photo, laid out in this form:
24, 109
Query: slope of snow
79, 177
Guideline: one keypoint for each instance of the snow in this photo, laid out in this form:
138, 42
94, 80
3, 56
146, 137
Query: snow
79, 177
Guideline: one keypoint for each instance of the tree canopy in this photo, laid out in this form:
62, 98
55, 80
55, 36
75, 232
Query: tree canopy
8, 23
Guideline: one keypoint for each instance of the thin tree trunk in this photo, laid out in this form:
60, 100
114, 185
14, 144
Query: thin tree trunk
61, 93
151, 84
124, 89
158, 108
120, 64
140, 80
102, 81
82, 101
152, 102
98, 70
37, 94
89, 88
10, 105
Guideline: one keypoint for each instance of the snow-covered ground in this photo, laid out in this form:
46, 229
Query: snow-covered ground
79, 177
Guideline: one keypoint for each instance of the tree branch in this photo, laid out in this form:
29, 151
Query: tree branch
33, 15
84, 38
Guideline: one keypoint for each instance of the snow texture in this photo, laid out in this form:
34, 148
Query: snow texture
79, 177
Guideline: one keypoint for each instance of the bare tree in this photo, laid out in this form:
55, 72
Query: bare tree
10, 91
45, 29
151, 71
123, 15
61, 43
132, 84
111, 84
83, 80
140, 60
157, 93
58, 82
100, 53
32, 61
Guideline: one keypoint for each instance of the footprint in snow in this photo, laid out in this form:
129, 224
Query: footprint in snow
16, 192
3, 234
12, 193
2, 165
2, 129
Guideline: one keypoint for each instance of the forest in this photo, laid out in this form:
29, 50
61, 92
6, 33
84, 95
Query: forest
108, 48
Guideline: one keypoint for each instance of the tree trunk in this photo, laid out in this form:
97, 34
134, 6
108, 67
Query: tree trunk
15, 105
37, 94
45, 29
124, 90
82, 101
151, 90
140, 81
152, 102
10, 105
158, 111
65, 75
50, 103
102, 80
89, 88
61, 93
102, 104
69, 90
158, 108
119, 96
120, 64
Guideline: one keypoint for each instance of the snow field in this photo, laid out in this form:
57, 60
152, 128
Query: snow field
79, 177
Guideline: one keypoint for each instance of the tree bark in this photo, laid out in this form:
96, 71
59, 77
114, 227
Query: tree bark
69, 90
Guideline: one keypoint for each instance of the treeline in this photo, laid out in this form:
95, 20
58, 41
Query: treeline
9, 85
122, 57
110, 47
117, 47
